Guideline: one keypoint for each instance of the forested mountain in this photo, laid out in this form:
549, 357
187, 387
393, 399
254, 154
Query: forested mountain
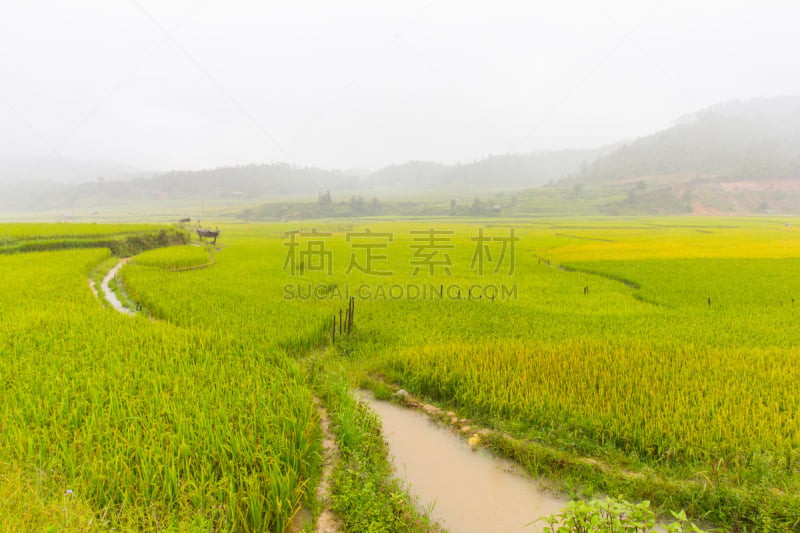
66, 171
742, 156
753, 140
266, 181
243, 182
508, 170
253, 180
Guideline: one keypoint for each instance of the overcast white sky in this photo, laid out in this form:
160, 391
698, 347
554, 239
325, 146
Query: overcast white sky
164, 84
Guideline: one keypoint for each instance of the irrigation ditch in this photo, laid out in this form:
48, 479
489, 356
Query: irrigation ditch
466, 487
109, 294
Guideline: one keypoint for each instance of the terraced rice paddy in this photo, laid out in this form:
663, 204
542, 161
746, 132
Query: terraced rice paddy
656, 358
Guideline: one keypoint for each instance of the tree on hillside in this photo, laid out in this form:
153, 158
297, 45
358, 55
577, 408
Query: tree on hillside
357, 205
324, 200
476, 208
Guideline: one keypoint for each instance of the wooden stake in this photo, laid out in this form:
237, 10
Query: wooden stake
351, 309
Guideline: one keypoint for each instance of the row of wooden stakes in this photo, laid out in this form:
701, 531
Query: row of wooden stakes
345, 320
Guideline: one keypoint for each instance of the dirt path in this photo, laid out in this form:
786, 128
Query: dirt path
327, 522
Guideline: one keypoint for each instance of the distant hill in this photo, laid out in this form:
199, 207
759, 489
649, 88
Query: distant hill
36, 184
737, 157
235, 183
251, 181
66, 171
497, 171
741, 157
751, 140
274, 180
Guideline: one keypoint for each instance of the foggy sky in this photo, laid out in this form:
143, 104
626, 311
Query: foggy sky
194, 84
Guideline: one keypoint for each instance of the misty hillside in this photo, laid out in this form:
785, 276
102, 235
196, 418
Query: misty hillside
264, 181
730, 158
241, 182
423, 174
752, 140
66, 171
497, 171
250, 181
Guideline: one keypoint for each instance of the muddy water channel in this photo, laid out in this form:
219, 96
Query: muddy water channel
109, 294
471, 491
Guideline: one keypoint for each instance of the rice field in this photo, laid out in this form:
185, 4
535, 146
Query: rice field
13, 231
149, 425
176, 258
667, 347
122, 239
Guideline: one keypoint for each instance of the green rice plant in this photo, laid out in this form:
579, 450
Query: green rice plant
176, 258
206, 417
146, 421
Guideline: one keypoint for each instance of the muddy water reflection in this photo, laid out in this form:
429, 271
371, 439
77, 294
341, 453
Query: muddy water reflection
472, 491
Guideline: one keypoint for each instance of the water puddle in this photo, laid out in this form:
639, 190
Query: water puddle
471, 491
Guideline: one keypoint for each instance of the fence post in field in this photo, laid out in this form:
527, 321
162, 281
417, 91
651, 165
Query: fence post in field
340, 321
709, 301
351, 307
